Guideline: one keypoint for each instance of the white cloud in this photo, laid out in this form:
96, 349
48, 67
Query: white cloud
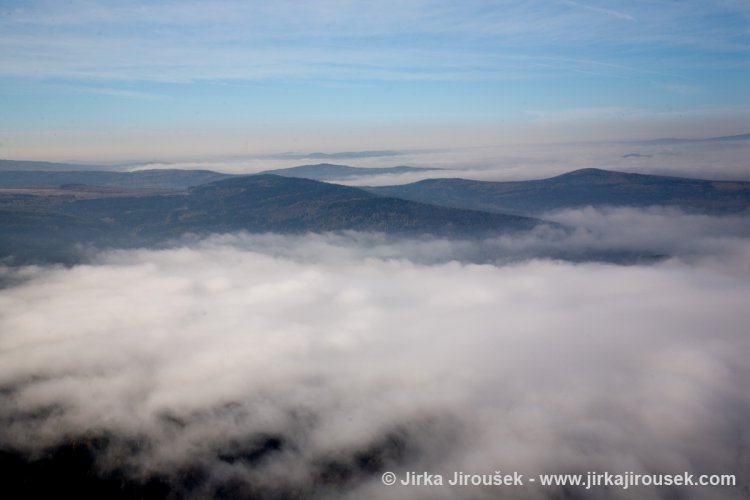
344, 346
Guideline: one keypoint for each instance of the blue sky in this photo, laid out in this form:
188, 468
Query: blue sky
129, 76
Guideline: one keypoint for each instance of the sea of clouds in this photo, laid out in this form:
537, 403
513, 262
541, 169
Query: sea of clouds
306, 366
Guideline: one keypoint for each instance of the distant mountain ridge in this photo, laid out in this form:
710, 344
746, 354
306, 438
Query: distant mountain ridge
585, 187
341, 155
578, 188
43, 174
43, 227
39, 223
674, 140
595, 187
329, 171
24, 165
140, 179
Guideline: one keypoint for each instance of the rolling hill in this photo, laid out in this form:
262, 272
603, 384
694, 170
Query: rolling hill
26, 165
48, 225
42, 174
140, 179
586, 187
49, 216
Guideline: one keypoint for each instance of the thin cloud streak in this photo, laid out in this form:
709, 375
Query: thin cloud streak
252, 32
609, 12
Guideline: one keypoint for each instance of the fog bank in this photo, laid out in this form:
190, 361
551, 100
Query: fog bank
308, 366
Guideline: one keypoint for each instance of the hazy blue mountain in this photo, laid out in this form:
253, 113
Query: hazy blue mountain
171, 178
328, 171
339, 155
39, 226
156, 179
673, 140
585, 187
49, 224
46, 165
274, 203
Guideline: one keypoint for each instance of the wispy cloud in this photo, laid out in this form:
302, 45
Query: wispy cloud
584, 114
678, 88
249, 65
608, 12
232, 40
118, 93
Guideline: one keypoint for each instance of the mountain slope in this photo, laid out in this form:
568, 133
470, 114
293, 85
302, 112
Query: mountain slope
576, 189
40, 174
274, 203
155, 179
35, 226
270, 202
6, 165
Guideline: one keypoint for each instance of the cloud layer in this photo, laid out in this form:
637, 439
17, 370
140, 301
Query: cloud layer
307, 366
717, 161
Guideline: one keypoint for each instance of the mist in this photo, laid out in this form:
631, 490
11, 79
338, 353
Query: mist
306, 366
723, 160
621, 235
